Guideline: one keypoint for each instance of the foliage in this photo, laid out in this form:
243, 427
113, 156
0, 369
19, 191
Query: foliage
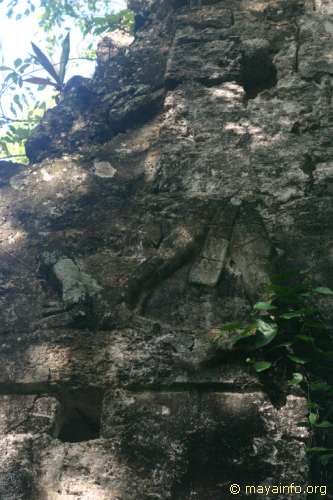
54, 13
123, 20
58, 76
288, 334
17, 130
25, 110
18, 118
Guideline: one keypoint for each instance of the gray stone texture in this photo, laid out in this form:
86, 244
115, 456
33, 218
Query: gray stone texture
160, 197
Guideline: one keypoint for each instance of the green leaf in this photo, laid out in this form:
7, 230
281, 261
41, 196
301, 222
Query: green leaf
261, 366
325, 459
18, 62
45, 62
325, 424
297, 359
305, 338
292, 314
11, 76
314, 324
268, 332
264, 306
320, 450
285, 276
236, 339
18, 102
244, 333
5, 68
323, 290
231, 327
313, 417
40, 81
305, 295
312, 405
24, 67
64, 58
320, 387
296, 379
13, 110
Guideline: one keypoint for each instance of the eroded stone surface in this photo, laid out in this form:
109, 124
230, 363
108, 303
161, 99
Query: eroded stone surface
169, 188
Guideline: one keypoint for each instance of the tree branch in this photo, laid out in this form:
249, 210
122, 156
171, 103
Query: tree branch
11, 156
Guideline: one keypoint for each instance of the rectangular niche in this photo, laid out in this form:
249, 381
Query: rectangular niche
81, 415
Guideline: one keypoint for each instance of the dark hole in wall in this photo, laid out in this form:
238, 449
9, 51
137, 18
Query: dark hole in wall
258, 70
171, 83
178, 4
192, 3
81, 416
139, 22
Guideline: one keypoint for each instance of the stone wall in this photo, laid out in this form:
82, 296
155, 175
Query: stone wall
160, 197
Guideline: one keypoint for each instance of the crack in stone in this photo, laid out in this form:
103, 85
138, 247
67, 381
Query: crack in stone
298, 46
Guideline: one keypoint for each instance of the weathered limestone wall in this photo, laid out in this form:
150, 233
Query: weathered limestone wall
161, 196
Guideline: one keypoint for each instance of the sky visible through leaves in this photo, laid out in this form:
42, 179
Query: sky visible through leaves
16, 36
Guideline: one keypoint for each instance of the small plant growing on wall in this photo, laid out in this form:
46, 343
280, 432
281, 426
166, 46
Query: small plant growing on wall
57, 76
288, 332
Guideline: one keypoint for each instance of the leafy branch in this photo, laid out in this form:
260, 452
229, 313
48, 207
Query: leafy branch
51, 16
58, 77
288, 334
16, 133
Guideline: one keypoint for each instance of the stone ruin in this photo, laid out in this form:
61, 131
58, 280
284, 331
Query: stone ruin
160, 197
